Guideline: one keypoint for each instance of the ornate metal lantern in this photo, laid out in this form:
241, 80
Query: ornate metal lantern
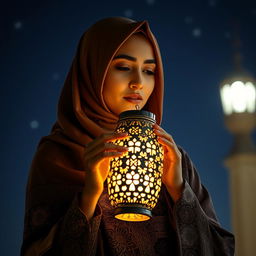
134, 180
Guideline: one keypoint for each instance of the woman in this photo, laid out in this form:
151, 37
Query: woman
117, 66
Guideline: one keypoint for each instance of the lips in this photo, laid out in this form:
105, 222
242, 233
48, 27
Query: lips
133, 98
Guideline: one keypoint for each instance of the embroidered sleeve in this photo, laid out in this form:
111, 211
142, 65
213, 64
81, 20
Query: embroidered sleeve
72, 234
78, 235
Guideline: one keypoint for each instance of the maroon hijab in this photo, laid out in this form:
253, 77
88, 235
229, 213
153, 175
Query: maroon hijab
82, 112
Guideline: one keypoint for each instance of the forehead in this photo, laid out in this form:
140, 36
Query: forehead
137, 45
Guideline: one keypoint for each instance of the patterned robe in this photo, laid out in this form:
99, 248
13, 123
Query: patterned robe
188, 227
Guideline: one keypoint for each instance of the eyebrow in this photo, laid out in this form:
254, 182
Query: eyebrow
124, 56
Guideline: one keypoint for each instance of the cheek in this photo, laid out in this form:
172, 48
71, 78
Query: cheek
150, 87
110, 82
116, 80
112, 88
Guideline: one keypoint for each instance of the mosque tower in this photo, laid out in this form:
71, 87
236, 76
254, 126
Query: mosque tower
238, 96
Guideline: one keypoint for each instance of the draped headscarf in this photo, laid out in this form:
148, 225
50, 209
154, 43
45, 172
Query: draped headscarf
56, 172
82, 112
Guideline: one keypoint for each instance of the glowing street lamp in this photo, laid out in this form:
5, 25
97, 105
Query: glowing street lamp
238, 96
134, 181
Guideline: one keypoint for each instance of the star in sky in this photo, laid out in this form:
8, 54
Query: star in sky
150, 2
196, 32
34, 124
18, 25
212, 3
128, 13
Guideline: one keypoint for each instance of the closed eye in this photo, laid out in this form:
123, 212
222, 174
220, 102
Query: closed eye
123, 68
149, 72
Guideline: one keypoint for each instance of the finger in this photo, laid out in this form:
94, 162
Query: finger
168, 144
156, 127
105, 155
113, 147
104, 138
105, 147
117, 136
163, 133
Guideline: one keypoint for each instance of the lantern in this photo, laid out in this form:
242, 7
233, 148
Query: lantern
134, 180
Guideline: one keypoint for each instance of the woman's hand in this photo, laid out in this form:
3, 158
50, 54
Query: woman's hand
97, 155
172, 171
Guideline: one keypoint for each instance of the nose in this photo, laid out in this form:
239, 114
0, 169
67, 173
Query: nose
136, 81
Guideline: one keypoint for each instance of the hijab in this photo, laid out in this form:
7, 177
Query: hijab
56, 173
82, 112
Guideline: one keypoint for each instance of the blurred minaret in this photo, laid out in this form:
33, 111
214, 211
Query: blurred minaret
238, 96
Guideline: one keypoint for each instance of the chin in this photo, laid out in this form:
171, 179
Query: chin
128, 107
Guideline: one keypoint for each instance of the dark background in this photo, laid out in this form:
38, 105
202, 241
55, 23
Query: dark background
38, 40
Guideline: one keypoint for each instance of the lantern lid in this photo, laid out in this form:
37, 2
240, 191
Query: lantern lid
138, 114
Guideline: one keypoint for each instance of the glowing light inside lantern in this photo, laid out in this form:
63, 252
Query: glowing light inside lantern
134, 181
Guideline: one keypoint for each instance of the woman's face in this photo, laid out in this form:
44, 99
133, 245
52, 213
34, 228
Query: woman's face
130, 78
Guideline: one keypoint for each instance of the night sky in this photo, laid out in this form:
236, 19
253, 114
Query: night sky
38, 40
